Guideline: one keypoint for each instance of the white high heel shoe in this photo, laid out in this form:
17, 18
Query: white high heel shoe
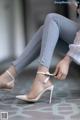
50, 88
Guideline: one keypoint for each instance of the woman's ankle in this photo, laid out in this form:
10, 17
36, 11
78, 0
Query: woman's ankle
43, 69
42, 77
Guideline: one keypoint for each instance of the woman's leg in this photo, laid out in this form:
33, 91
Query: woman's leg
54, 23
33, 48
31, 52
54, 26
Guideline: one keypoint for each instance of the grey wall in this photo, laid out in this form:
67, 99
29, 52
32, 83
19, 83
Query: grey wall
11, 29
4, 29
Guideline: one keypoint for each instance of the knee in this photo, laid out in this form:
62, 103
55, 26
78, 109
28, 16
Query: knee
51, 16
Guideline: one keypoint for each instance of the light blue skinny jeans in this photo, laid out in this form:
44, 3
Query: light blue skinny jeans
44, 41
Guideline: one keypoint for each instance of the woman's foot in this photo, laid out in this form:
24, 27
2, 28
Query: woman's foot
7, 78
40, 85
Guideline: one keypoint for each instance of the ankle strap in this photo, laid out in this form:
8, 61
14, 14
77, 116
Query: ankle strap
10, 75
45, 73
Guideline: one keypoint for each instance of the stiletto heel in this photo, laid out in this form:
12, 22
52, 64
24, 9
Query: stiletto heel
51, 92
50, 88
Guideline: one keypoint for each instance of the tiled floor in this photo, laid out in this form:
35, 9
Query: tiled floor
65, 103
